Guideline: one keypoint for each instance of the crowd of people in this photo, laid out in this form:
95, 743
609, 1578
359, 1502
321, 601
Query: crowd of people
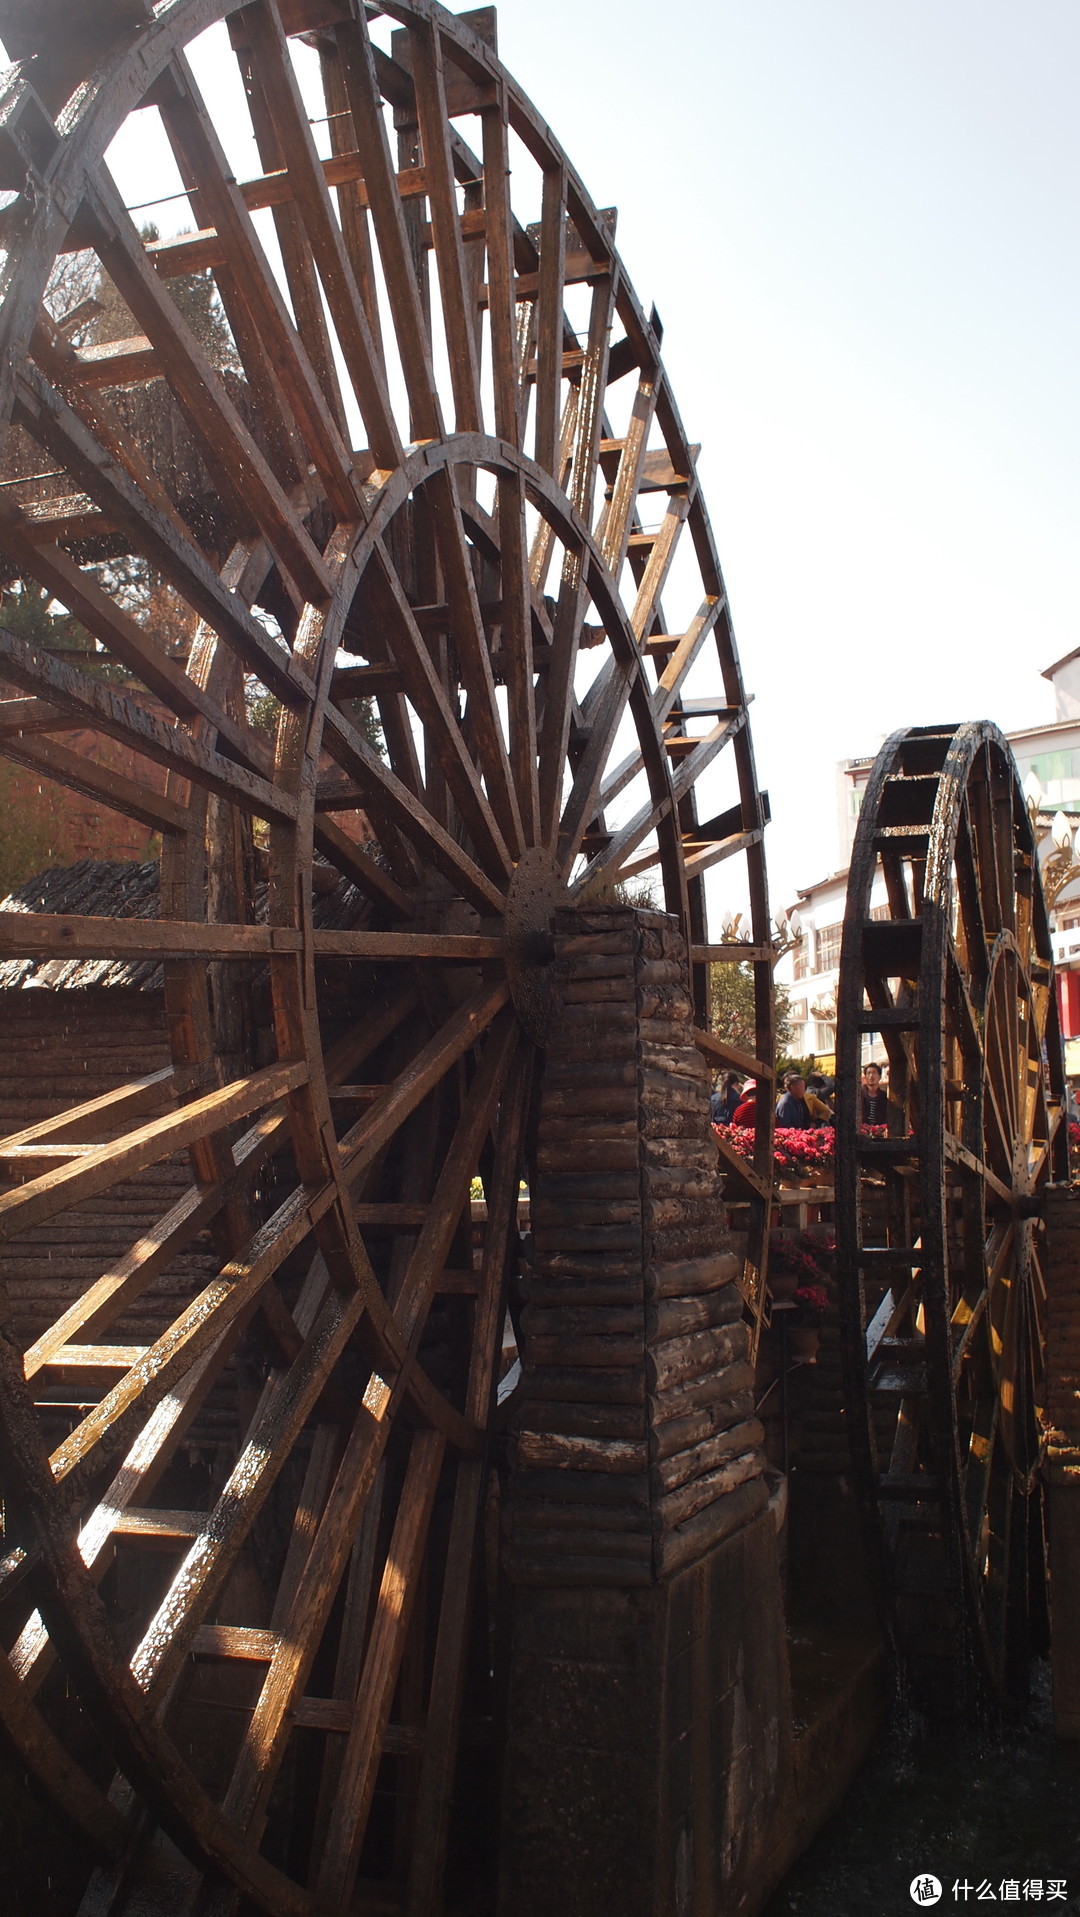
805, 1104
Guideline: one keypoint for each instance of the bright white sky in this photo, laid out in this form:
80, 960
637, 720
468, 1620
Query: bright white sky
860, 224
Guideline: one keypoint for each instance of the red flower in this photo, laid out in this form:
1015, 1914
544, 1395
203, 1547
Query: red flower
813, 1298
793, 1150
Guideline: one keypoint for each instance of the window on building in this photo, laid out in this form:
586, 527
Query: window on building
1059, 775
798, 1011
802, 963
881, 911
828, 947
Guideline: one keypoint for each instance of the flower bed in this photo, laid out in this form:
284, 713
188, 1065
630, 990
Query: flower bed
795, 1153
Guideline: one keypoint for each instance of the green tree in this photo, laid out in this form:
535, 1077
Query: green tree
87, 305
733, 1015
31, 612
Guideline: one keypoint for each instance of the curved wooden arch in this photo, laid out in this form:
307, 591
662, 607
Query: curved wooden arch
480, 572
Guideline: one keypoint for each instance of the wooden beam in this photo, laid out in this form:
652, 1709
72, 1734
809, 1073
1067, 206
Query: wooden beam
725, 1053
203, 160
412, 818
384, 190
363, 1750
104, 710
40, 1199
364, 1140
274, 67
95, 781
154, 1250
157, 1247
43, 935
226, 444
425, 46
362, 871
474, 655
424, 687
121, 362
549, 319
125, 639
126, 1101
130, 498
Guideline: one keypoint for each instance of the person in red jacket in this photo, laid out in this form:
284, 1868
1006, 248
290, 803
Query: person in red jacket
746, 1113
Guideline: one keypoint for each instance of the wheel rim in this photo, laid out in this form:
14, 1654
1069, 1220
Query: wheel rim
482, 573
942, 1285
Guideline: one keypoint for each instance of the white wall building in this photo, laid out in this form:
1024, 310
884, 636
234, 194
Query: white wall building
1048, 758
811, 970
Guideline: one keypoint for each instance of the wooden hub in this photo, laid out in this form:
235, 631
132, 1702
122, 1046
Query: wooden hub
536, 893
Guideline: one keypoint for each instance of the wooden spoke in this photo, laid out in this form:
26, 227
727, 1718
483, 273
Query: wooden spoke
425, 46
226, 443
149, 522
482, 713
120, 635
589, 422
131, 800
498, 220
517, 651
200, 155
106, 1165
94, 704
312, 201
383, 192
549, 320
428, 696
942, 835
390, 708
407, 813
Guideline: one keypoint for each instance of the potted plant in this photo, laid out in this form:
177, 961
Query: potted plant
812, 1302
793, 1262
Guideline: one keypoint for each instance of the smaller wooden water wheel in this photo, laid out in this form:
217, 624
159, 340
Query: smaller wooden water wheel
946, 953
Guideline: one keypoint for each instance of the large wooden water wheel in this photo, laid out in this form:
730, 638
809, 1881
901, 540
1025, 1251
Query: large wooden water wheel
516, 575
947, 955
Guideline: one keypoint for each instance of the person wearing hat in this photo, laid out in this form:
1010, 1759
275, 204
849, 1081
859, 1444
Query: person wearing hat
792, 1109
746, 1113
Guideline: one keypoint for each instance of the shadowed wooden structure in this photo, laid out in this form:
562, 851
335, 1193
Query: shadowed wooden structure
940, 1229
449, 480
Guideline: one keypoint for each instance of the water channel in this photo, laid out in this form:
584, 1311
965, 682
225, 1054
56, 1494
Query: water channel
996, 1809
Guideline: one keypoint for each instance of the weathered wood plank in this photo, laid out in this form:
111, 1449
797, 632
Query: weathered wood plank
42, 1198
425, 45
94, 781
386, 1644
383, 190
104, 710
308, 180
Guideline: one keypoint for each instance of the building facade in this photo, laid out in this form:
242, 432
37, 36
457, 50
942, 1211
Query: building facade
1048, 758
